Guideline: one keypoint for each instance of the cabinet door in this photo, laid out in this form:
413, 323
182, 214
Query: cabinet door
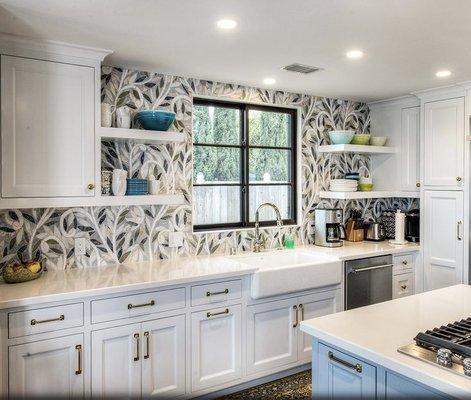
116, 362
444, 143
163, 363
271, 335
403, 285
216, 341
410, 133
443, 239
339, 376
48, 368
48, 128
313, 306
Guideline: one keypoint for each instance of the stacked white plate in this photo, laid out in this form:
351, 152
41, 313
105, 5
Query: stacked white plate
343, 185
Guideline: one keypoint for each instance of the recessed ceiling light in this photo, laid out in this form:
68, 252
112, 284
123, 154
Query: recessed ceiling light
443, 74
269, 81
226, 24
354, 54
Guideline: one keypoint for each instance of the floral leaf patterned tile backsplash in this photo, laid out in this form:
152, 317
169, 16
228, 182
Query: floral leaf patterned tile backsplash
119, 234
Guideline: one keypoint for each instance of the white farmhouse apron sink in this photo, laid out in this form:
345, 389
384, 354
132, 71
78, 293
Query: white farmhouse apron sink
286, 271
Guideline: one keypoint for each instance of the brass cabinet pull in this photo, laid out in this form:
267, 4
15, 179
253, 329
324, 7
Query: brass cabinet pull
78, 371
356, 367
225, 291
136, 336
90, 186
404, 287
210, 314
417, 184
458, 230
458, 178
295, 308
146, 335
131, 306
301, 307
404, 262
36, 322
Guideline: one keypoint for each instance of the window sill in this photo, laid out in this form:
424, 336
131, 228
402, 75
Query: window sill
225, 230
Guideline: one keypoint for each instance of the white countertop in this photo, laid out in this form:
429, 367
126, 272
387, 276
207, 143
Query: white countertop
103, 280
376, 332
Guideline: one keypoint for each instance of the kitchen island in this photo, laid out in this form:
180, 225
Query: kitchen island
355, 353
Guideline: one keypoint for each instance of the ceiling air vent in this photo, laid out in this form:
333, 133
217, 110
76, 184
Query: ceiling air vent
301, 68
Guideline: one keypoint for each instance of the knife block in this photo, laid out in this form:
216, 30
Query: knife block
353, 234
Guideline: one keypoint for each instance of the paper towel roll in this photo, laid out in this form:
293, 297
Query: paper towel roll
400, 218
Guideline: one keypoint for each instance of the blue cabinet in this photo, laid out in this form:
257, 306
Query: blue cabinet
338, 375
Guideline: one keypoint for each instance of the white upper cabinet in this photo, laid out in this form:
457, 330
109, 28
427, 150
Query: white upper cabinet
443, 143
443, 238
47, 129
410, 133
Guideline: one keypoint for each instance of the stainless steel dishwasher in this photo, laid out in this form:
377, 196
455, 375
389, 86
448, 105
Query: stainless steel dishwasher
368, 281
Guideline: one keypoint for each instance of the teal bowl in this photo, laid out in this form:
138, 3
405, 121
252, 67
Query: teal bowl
341, 137
156, 120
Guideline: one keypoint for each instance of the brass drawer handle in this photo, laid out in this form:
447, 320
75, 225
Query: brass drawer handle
225, 291
131, 306
301, 307
458, 178
404, 262
295, 324
136, 336
90, 186
458, 230
417, 184
36, 322
404, 287
146, 335
79, 359
210, 314
356, 367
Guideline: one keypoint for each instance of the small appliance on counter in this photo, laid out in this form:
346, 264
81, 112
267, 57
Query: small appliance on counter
374, 231
413, 226
329, 230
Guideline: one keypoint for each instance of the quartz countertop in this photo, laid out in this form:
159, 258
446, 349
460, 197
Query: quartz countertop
375, 333
102, 280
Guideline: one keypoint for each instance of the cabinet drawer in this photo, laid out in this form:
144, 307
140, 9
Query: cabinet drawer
137, 304
216, 292
23, 323
403, 285
403, 262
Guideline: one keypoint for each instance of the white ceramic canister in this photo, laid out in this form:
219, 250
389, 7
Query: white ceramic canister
118, 184
123, 117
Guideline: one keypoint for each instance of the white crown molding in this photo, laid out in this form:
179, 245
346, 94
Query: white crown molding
21, 45
402, 102
455, 90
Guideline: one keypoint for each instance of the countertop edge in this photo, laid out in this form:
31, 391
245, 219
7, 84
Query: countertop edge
394, 365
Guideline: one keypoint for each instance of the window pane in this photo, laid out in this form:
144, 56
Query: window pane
218, 125
216, 204
280, 196
269, 165
216, 164
268, 128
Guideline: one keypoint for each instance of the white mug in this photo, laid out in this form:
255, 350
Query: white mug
123, 117
118, 183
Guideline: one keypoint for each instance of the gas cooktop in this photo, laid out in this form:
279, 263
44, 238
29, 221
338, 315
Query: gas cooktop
448, 347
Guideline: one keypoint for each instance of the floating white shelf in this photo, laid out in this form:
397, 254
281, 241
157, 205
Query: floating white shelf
356, 148
141, 135
141, 200
368, 195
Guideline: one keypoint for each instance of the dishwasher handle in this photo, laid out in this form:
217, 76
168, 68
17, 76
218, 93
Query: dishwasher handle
357, 270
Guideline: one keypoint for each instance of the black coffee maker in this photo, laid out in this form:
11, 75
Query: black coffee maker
413, 226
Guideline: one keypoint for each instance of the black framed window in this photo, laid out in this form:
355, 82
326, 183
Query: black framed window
243, 155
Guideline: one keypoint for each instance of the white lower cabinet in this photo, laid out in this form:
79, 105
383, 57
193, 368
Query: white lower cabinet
147, 359
47, 368
273, 335
403, 285
163, 363
216, 340
443, 238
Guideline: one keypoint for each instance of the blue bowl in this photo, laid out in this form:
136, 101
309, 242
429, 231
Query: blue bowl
156, 120
341, 137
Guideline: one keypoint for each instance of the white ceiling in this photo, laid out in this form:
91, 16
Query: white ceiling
405, 41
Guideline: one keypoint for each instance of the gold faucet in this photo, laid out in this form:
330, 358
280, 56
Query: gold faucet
258, 244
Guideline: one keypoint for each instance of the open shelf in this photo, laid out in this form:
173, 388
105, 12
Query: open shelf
378, 194
141, 135
141, 200
356, 148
